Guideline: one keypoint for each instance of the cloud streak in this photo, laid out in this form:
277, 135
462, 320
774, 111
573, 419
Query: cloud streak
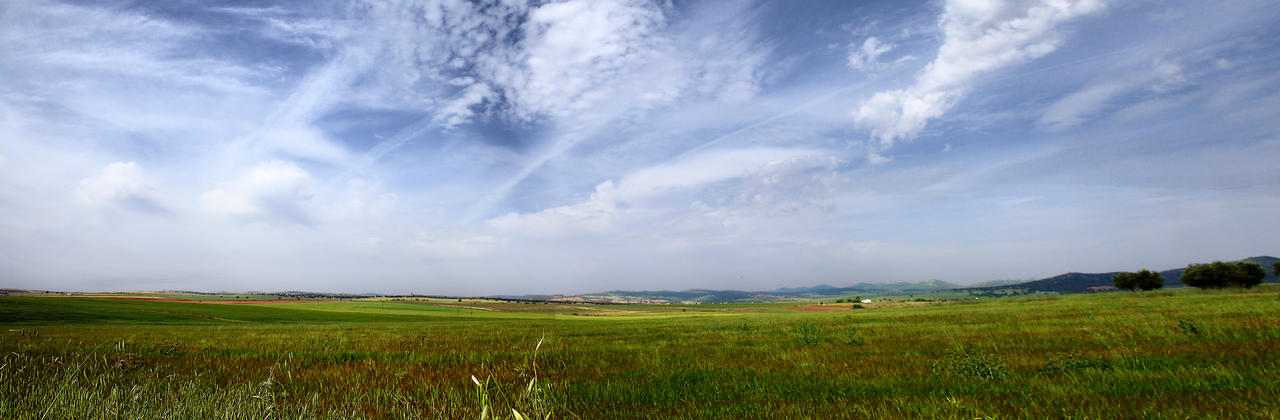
978, 37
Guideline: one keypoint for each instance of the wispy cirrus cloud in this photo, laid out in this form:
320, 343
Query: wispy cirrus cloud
610, 201
978, 37
866, 57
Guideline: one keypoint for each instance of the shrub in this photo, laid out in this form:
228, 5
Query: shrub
973, 363
1186, 326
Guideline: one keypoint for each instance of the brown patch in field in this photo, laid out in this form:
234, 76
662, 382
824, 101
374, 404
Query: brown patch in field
160, 299
265, 301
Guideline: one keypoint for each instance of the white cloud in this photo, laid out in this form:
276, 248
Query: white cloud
719, 56
304, 142
1150, 108
121, 186
584, 67
867, 56
122, 70
272, 191
979, 36
459, 109
325, 86
602, 212
69, 42
706, 168
570, 54
1160, 78
877, 159
114, 183
1077, 107
594, 216
1169, 76
573, 48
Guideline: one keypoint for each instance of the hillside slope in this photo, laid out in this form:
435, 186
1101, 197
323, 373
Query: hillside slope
1082, 282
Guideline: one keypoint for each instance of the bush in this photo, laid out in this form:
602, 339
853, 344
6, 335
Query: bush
1186, 326
1220, 274
974, 363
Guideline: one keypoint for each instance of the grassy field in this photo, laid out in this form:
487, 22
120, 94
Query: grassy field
1166, 354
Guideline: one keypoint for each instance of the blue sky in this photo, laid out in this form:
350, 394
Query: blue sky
506, 147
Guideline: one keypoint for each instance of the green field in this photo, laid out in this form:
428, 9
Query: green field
1165, 354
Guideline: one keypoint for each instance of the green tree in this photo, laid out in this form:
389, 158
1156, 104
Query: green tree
1251, 274
1148, 280
1275, 268
1220, 274
1124, 281
1142, 279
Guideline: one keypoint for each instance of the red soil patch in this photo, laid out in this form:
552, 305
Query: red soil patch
264, 301
159, 299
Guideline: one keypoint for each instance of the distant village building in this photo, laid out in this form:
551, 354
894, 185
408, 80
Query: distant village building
866, 301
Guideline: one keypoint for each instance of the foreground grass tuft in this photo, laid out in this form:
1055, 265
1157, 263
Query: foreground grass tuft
972, 363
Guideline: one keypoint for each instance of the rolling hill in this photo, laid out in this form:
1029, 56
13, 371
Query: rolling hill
1083, 282
739, 296
1062, 283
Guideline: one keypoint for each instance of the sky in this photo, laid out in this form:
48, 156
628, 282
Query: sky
503, 147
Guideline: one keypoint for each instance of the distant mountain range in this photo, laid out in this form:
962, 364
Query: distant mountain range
1063, 283
732, 296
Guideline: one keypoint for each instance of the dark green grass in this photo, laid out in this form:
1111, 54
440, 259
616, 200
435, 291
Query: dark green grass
36, 310
1169, 354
